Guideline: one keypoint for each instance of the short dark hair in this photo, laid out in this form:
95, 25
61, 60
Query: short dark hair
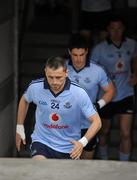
56, 62
77, 41
116, 17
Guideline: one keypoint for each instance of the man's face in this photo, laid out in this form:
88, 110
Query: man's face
56, 78
78, 57
116, 30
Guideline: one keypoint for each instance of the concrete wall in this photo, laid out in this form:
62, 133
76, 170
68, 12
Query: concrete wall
8, 76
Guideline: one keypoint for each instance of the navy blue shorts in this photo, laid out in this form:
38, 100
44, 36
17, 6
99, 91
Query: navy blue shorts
91, 144
38, 148
124, 106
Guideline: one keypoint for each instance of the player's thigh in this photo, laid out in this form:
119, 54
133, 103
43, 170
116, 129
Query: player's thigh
106, 113
39, 157
105, 126
125, 112
125, 122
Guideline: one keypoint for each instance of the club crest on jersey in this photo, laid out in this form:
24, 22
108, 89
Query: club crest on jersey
67, 105
76, 79
54, 117
128, 52
87, 80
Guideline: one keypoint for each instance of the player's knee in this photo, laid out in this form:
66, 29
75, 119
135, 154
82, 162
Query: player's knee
125, 135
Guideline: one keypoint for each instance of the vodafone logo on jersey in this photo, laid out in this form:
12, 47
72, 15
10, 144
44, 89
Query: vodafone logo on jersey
120, 65
55, 117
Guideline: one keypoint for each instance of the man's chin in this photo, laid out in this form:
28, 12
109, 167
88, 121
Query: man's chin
55, 88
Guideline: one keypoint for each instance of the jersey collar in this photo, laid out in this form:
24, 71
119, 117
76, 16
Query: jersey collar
66, 86
109, 41
86, 65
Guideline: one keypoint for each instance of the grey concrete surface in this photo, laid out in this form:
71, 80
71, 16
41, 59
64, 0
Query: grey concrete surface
28, 169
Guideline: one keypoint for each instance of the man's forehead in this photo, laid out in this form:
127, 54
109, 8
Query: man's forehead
78, 50
53, 70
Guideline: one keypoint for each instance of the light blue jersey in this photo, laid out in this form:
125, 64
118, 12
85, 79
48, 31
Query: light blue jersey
58, 117
91, 77
117, 62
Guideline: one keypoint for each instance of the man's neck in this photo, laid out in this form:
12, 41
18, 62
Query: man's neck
59, 90
79, 68
117, 42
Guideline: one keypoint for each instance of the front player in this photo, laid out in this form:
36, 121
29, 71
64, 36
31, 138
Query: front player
60, 104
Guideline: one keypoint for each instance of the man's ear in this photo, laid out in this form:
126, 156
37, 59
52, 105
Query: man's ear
87, 50
66, 72
45, 70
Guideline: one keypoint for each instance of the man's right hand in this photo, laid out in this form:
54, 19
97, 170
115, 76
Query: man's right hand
77, 150
20, 136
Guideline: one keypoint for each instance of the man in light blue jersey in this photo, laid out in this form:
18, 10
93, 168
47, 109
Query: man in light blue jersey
116, 54
90, 76
60, 105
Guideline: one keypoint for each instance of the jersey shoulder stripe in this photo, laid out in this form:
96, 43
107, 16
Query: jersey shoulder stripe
36, 81
77, 85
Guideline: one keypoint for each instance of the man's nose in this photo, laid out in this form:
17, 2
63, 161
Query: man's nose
54, 80
78, 57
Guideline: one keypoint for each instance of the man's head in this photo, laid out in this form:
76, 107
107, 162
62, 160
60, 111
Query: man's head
116, 28
56, 73
78, 50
